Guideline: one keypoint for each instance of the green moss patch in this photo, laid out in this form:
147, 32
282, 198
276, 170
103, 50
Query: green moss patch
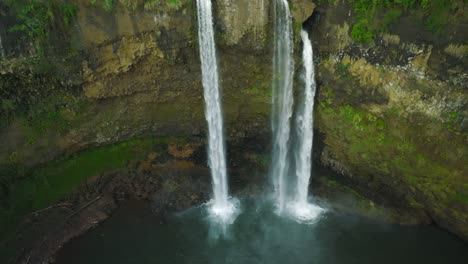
51, 182
375, 16
394, 152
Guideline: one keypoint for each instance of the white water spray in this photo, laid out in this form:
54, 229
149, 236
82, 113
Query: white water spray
301, 209
221, 207
282, 99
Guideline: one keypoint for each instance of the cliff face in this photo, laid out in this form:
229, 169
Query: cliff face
391, 113
135, 74
139, 73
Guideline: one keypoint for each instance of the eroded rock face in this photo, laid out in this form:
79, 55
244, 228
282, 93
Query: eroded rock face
393, 118
391, 114
244, 22
140, 74
302, 10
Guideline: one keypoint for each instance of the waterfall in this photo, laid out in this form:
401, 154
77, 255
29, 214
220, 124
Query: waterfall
304, 122
300, 208
282, 100
221, 206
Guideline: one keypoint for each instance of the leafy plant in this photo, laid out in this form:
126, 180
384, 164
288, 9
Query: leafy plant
36, 19
108, 5
362, 31
438, 13
343, 71
374, 16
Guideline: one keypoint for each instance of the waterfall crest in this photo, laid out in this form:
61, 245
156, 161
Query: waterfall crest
221, 206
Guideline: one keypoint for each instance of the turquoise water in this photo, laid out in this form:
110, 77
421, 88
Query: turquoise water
134, 235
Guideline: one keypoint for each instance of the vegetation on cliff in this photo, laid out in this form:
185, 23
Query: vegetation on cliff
382, 131
36, 20
147, 83
39, 187
109, 5
43, 63
375, 16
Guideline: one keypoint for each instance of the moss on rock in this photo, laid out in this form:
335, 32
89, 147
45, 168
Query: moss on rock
387, 127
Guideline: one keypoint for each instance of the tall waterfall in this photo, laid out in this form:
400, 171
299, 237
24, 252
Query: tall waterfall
304, 122
282, 99
300, 208
221, 207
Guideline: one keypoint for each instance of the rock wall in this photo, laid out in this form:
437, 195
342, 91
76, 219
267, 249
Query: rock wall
135, 81
244, 22
139, 75
392, 114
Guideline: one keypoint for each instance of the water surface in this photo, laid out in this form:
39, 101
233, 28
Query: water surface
134, 235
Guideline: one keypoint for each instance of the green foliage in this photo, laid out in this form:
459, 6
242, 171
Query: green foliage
153, 4
343, 71
462, 197
37, 99
389, 147
405, 3
454, 120
54, 113
36, 19
438, 14
362, 31
45, 25
370, 22
374, 16
109, 5
174, 3
425, 4
42, 186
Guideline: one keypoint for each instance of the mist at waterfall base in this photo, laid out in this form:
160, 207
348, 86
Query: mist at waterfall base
258, 234
134, 235
291, 200
223, 209
300, 207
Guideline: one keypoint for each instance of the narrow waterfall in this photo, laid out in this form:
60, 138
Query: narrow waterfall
221, 207
282, 99
301, 209
304, 122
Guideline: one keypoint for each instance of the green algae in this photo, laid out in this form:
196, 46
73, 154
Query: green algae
363, 139
373, 17
47, 184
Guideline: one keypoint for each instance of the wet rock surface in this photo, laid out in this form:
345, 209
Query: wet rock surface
391, 114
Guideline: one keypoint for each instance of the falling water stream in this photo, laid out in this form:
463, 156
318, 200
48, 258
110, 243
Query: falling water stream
301, 209
282, 100
258, 235
223, 208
